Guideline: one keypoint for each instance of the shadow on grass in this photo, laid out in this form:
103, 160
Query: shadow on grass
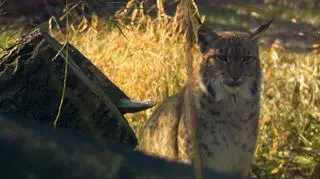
293, 36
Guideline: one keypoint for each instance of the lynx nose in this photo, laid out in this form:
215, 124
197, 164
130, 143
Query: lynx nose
235, 78
235, 71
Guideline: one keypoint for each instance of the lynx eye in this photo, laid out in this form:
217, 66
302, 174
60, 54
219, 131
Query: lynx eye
247, 59
222, 58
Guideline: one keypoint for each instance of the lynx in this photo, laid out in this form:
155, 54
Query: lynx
225, 92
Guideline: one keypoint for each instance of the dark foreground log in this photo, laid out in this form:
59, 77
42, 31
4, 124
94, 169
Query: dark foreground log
32, 150
36, 82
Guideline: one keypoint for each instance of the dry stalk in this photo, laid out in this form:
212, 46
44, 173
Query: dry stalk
184, 19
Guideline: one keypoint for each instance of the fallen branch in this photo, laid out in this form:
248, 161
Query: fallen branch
33, 150
33, 76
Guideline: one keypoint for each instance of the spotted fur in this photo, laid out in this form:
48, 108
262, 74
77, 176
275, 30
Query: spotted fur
225, 92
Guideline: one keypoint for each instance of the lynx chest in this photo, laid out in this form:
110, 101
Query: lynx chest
227, 133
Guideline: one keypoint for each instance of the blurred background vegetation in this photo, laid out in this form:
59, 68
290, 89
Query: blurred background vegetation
139, 46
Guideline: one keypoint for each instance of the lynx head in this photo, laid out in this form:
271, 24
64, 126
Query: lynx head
230, 59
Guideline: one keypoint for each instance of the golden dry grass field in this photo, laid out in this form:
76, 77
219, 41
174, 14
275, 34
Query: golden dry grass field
149, 63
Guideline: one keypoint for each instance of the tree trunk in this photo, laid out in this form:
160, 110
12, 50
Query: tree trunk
30, 150
36, 82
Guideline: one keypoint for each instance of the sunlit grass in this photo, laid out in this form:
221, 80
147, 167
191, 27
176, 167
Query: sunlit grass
8, 36
148, 63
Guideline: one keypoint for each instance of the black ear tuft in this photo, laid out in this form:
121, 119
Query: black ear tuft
256, 33
205, 36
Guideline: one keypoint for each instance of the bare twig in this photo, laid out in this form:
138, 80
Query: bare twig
188, 10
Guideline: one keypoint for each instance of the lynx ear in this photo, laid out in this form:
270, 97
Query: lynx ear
205, 37
256, 33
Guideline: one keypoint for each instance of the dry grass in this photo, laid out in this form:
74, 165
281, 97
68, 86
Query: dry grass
150, 64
